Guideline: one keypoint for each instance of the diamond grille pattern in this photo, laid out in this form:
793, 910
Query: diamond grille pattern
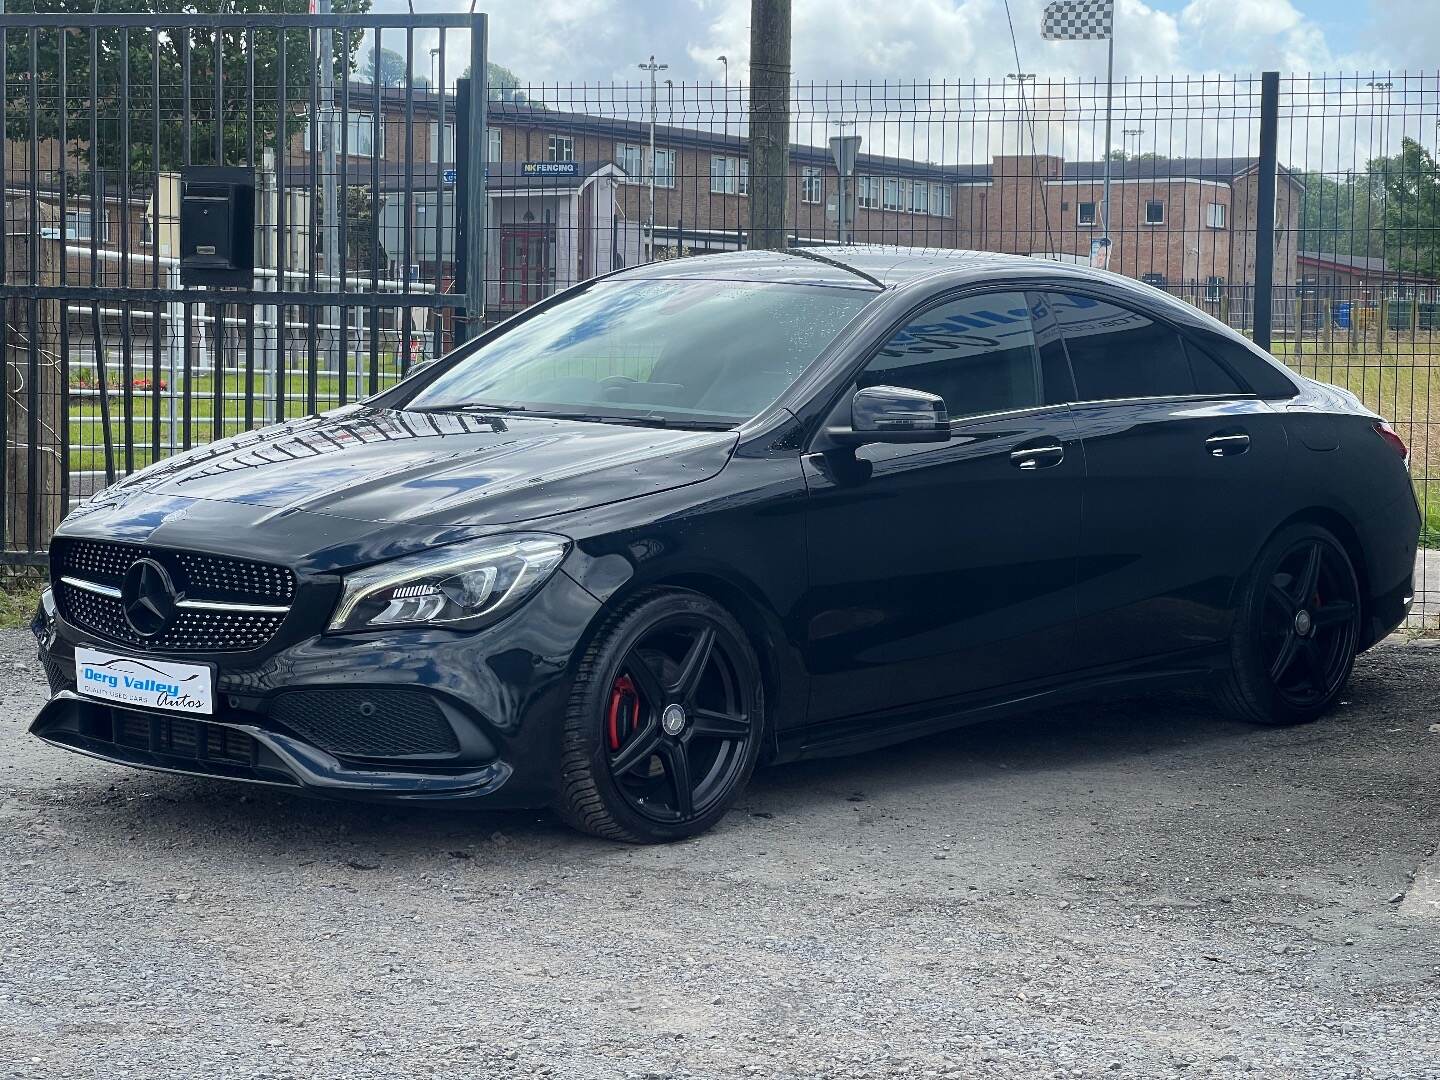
197, 576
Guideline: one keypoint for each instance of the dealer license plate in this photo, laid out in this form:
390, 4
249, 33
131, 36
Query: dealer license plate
147, 683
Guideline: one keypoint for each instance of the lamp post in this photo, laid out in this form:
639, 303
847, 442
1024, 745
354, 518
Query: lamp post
652, 67
1134, 133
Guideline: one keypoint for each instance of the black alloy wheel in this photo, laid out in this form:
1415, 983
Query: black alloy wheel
1297, 631
665, 721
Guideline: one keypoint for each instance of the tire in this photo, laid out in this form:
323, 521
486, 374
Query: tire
1296, 630
664, 722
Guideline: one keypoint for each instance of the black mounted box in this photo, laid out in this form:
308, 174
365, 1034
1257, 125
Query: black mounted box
217, 226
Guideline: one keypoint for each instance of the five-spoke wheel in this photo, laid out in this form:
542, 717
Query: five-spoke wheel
1297, 629
665, 721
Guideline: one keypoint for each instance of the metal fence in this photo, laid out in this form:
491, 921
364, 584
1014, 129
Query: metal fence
109, 363
1302, 209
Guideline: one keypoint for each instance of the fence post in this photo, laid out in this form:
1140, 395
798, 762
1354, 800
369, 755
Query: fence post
476, 201
1265, 206
1382, 322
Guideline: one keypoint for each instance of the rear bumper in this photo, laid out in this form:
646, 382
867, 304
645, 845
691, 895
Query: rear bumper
243, 752
1390, 540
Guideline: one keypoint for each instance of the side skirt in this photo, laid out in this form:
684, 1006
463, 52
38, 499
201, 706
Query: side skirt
857, 734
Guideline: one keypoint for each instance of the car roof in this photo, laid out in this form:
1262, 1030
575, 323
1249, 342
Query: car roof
875, 266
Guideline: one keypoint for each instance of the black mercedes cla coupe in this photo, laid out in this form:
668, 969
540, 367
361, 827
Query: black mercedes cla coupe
737, 508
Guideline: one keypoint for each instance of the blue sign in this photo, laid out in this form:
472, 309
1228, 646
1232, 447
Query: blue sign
549, 168
449, 176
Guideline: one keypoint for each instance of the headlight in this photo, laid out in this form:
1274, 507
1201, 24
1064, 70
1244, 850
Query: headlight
460, 586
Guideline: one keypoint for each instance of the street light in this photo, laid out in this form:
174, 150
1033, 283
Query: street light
652, 67
434, 74
1135, 133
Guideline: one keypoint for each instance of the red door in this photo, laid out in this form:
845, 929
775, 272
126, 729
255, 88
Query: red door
524, 264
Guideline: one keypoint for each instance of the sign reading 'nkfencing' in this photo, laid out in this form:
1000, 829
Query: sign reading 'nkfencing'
549, 168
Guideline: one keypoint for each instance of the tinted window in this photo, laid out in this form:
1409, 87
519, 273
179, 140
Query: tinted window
1261, 377
1119, 353
978, 353
1210, 376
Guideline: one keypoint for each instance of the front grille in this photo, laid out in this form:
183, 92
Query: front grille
368, 723
178, 737
200, 578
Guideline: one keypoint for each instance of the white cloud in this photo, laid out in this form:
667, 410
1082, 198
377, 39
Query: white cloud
1236, 37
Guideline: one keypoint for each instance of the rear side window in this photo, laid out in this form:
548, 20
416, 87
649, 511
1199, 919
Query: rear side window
1260, 377
1210, 376
977, 352
1119, 353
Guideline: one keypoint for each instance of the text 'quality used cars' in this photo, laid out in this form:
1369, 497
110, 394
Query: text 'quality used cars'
722, 510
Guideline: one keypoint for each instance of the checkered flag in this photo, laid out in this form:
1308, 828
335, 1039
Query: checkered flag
1078, 20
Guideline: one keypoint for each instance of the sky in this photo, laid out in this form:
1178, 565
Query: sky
587, 41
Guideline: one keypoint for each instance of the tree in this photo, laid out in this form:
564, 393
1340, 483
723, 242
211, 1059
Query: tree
175, 113
1410, 210
502, 84
1340, 214
391, 68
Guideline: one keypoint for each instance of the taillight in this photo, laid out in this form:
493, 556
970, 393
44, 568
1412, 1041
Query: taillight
1386, 432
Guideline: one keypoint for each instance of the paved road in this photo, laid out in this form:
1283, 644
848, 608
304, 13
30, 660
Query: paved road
1138, 889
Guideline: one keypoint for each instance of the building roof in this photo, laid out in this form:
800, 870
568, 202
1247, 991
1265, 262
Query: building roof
1359, 264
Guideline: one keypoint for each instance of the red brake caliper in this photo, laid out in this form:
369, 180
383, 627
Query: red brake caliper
624, 713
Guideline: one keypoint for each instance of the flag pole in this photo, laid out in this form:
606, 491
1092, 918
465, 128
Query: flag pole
1105, 198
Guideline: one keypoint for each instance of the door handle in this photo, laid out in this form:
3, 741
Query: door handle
1030, 458
1227, 444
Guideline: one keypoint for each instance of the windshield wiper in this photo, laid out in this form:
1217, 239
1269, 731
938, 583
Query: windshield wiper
471, 406
652, 420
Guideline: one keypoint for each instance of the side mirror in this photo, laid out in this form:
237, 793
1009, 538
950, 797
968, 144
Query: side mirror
894, 414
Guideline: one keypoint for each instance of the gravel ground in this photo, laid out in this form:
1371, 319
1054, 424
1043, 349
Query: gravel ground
1137, 889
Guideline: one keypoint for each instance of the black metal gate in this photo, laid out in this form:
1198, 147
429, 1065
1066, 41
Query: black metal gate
108, 363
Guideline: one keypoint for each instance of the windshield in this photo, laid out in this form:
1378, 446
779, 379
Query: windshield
677, 352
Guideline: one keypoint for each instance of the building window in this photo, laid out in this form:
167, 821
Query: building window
1215, 215
665, 168
940, 200
894, 198
360, 136
560, 148
447, 148
492, 135
812, 184
629, 157
1085, 215
1154, 212
1155, 280
1214, 287
729, 176
79, 225
867, 192
919, 198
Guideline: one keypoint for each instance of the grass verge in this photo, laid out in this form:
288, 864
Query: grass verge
19, 595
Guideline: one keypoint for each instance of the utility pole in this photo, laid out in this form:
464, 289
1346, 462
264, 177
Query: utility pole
652, 67
330, 227
769, 122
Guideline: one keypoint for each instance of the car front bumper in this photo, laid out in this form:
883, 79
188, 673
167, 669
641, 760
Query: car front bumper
501, 693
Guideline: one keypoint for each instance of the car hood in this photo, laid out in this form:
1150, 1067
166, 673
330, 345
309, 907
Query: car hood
373, 464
